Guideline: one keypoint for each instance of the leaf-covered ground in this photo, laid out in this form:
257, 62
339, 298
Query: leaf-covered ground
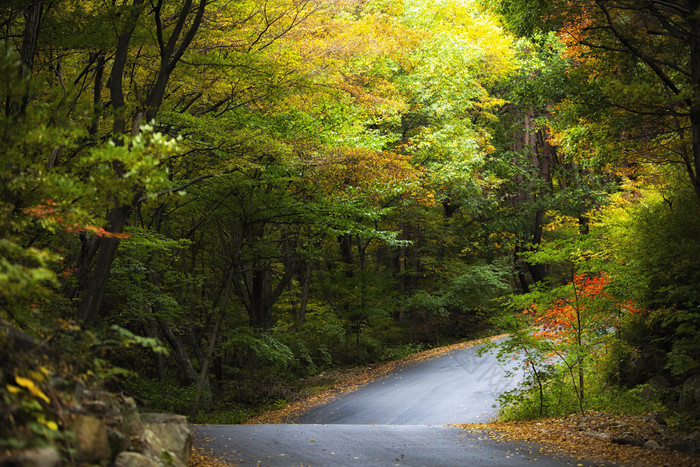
608, 438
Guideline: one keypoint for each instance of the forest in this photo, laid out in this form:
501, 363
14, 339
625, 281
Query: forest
210, 204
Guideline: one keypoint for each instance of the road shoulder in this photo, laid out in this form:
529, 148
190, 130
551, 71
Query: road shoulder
609, 438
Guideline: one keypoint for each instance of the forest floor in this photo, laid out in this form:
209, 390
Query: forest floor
606, 438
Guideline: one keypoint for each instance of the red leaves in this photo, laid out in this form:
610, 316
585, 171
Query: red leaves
69, 272
586, 306
99, 231
42, 210
48, 212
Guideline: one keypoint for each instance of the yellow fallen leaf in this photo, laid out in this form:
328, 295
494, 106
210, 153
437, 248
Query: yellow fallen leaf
13, 389
32, 388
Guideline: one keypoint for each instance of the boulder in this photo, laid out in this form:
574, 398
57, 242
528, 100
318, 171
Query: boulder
648, 362
118, 442
627, 438
600, 435
131, 419
40, 457
134, 459
167, 437
690, 393
655, 387
91, 439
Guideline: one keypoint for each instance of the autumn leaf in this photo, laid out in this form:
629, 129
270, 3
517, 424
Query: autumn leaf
29, 385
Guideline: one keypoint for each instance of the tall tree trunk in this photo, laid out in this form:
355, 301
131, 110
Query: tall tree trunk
97, 94
95, 283
694, 20
32, 22
537, 271
305, 278
521, 275
94, 277
255, 287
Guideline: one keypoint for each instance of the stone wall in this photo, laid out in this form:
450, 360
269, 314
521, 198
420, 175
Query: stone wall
108, 430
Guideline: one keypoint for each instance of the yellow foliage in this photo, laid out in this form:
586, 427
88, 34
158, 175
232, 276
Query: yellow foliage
560, 221
50, 424
29, 385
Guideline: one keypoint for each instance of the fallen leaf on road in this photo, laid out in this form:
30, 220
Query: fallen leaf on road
601, 437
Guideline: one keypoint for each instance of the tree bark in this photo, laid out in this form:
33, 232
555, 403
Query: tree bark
30, 35
537, 271
305, 288
694, 20
203, 375
345, 243
187, 373
96, 282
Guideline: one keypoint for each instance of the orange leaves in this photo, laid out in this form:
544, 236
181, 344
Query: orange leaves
52, 216
586, 306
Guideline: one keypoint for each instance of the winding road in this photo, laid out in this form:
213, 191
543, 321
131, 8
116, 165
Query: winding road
398, 420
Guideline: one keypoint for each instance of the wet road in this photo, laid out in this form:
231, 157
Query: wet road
393, 421
365, 445
458, 387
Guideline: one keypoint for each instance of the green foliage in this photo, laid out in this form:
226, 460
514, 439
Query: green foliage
163, 396
656, 265
684, 357
662, 248
560, 400
265, 346
230, 416
27, 282
128, 338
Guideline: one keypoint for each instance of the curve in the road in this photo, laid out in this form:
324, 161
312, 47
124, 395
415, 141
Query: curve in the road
393, 421
458, 387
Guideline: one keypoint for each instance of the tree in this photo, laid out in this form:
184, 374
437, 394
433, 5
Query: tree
652, 50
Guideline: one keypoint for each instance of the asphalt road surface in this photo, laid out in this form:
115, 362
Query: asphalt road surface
458, 387
397, 420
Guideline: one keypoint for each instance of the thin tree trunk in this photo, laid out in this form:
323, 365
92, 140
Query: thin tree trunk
203, 375
160, 361
187, 372
305, 288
